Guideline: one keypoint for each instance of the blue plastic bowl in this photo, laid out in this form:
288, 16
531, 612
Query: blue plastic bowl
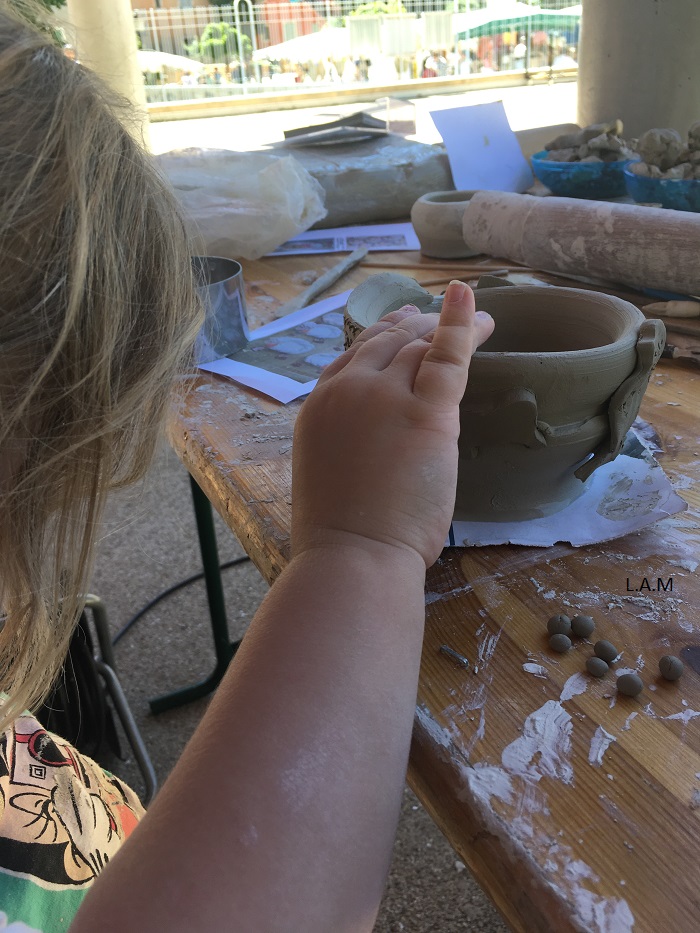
681, 194
580, 179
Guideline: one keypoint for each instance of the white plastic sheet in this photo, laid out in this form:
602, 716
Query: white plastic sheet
242, 205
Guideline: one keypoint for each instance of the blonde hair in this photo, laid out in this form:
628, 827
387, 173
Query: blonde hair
98, 314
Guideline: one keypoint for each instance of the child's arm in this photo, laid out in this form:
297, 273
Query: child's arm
282, 812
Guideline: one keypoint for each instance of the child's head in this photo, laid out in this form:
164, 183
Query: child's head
98, 314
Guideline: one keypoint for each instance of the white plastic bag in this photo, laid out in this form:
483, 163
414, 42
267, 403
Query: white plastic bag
243, 204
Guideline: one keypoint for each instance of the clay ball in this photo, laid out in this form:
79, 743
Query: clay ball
597, 667
629, 684
670, 667
582, 626
660, 147
560, 643
559, 625
605, 650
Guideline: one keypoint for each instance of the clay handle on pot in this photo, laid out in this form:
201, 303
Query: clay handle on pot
626, 400
509, 417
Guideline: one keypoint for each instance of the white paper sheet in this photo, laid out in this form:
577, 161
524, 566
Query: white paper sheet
619, 497
311, 330
482, 149
375, 237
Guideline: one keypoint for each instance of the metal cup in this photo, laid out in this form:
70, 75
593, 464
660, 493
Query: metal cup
225, 328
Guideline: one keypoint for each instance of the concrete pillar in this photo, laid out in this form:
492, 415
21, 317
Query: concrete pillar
105, 40
640, 60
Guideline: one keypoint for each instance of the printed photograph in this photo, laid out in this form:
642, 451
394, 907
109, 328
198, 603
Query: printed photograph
301, 352
385, 241
316, 245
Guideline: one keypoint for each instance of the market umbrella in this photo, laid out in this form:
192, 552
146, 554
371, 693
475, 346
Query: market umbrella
519, 17
332, 42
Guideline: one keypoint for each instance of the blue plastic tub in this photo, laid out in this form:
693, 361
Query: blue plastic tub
581, 179
681, 194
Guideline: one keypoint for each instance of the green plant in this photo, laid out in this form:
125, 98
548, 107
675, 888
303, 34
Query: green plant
379, 8
31, 11
464, 5
220, 42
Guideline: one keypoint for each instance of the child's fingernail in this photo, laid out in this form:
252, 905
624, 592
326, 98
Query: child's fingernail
407, 309
455, 291
484, 315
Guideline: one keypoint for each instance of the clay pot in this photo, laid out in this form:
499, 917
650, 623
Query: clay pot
437, 218
561, 379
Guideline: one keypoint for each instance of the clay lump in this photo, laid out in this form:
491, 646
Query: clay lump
664, 154
599, 142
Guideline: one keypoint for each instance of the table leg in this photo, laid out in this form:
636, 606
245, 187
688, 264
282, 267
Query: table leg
223, 646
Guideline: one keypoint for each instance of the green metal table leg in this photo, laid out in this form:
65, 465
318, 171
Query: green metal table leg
224, 648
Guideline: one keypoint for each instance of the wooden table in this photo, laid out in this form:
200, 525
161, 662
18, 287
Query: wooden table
575, 808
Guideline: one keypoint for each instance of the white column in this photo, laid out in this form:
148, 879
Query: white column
105, 40
640, 60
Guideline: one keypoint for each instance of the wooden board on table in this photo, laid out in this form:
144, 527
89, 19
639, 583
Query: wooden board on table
566, 826
593, 828
598, 813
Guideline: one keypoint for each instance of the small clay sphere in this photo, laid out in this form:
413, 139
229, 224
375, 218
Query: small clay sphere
606, 651
670, 667
629, 684
559, 642
582, 626
597, 667
559, 625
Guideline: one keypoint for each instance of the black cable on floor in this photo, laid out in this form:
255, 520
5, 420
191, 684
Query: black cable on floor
173, 589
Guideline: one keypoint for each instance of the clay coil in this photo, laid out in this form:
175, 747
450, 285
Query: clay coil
644, 247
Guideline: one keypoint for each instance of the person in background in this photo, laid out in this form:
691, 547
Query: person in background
520, 53
428, 70
282, 811
441, 64
350, 73
565, 59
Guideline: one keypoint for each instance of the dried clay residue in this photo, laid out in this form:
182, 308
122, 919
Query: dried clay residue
543, 750
600, 743
486, 647
544, 747
473, 692
615, 506
576, 684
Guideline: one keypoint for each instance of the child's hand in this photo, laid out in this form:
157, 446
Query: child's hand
375, 444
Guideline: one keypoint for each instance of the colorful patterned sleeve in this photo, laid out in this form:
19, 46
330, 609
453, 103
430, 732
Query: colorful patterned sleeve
62, 817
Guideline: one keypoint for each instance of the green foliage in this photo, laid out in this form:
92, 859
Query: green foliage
31, 11
219, 42
464, 5
379, 8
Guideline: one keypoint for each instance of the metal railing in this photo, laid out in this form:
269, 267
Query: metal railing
252, 48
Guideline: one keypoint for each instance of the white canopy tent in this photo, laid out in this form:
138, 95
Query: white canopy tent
151, 60
331, 42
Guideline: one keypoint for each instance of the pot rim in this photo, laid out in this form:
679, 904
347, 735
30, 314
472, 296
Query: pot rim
627, 338
458, 196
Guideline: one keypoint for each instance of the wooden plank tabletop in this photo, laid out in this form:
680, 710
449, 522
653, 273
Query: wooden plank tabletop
575, 808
